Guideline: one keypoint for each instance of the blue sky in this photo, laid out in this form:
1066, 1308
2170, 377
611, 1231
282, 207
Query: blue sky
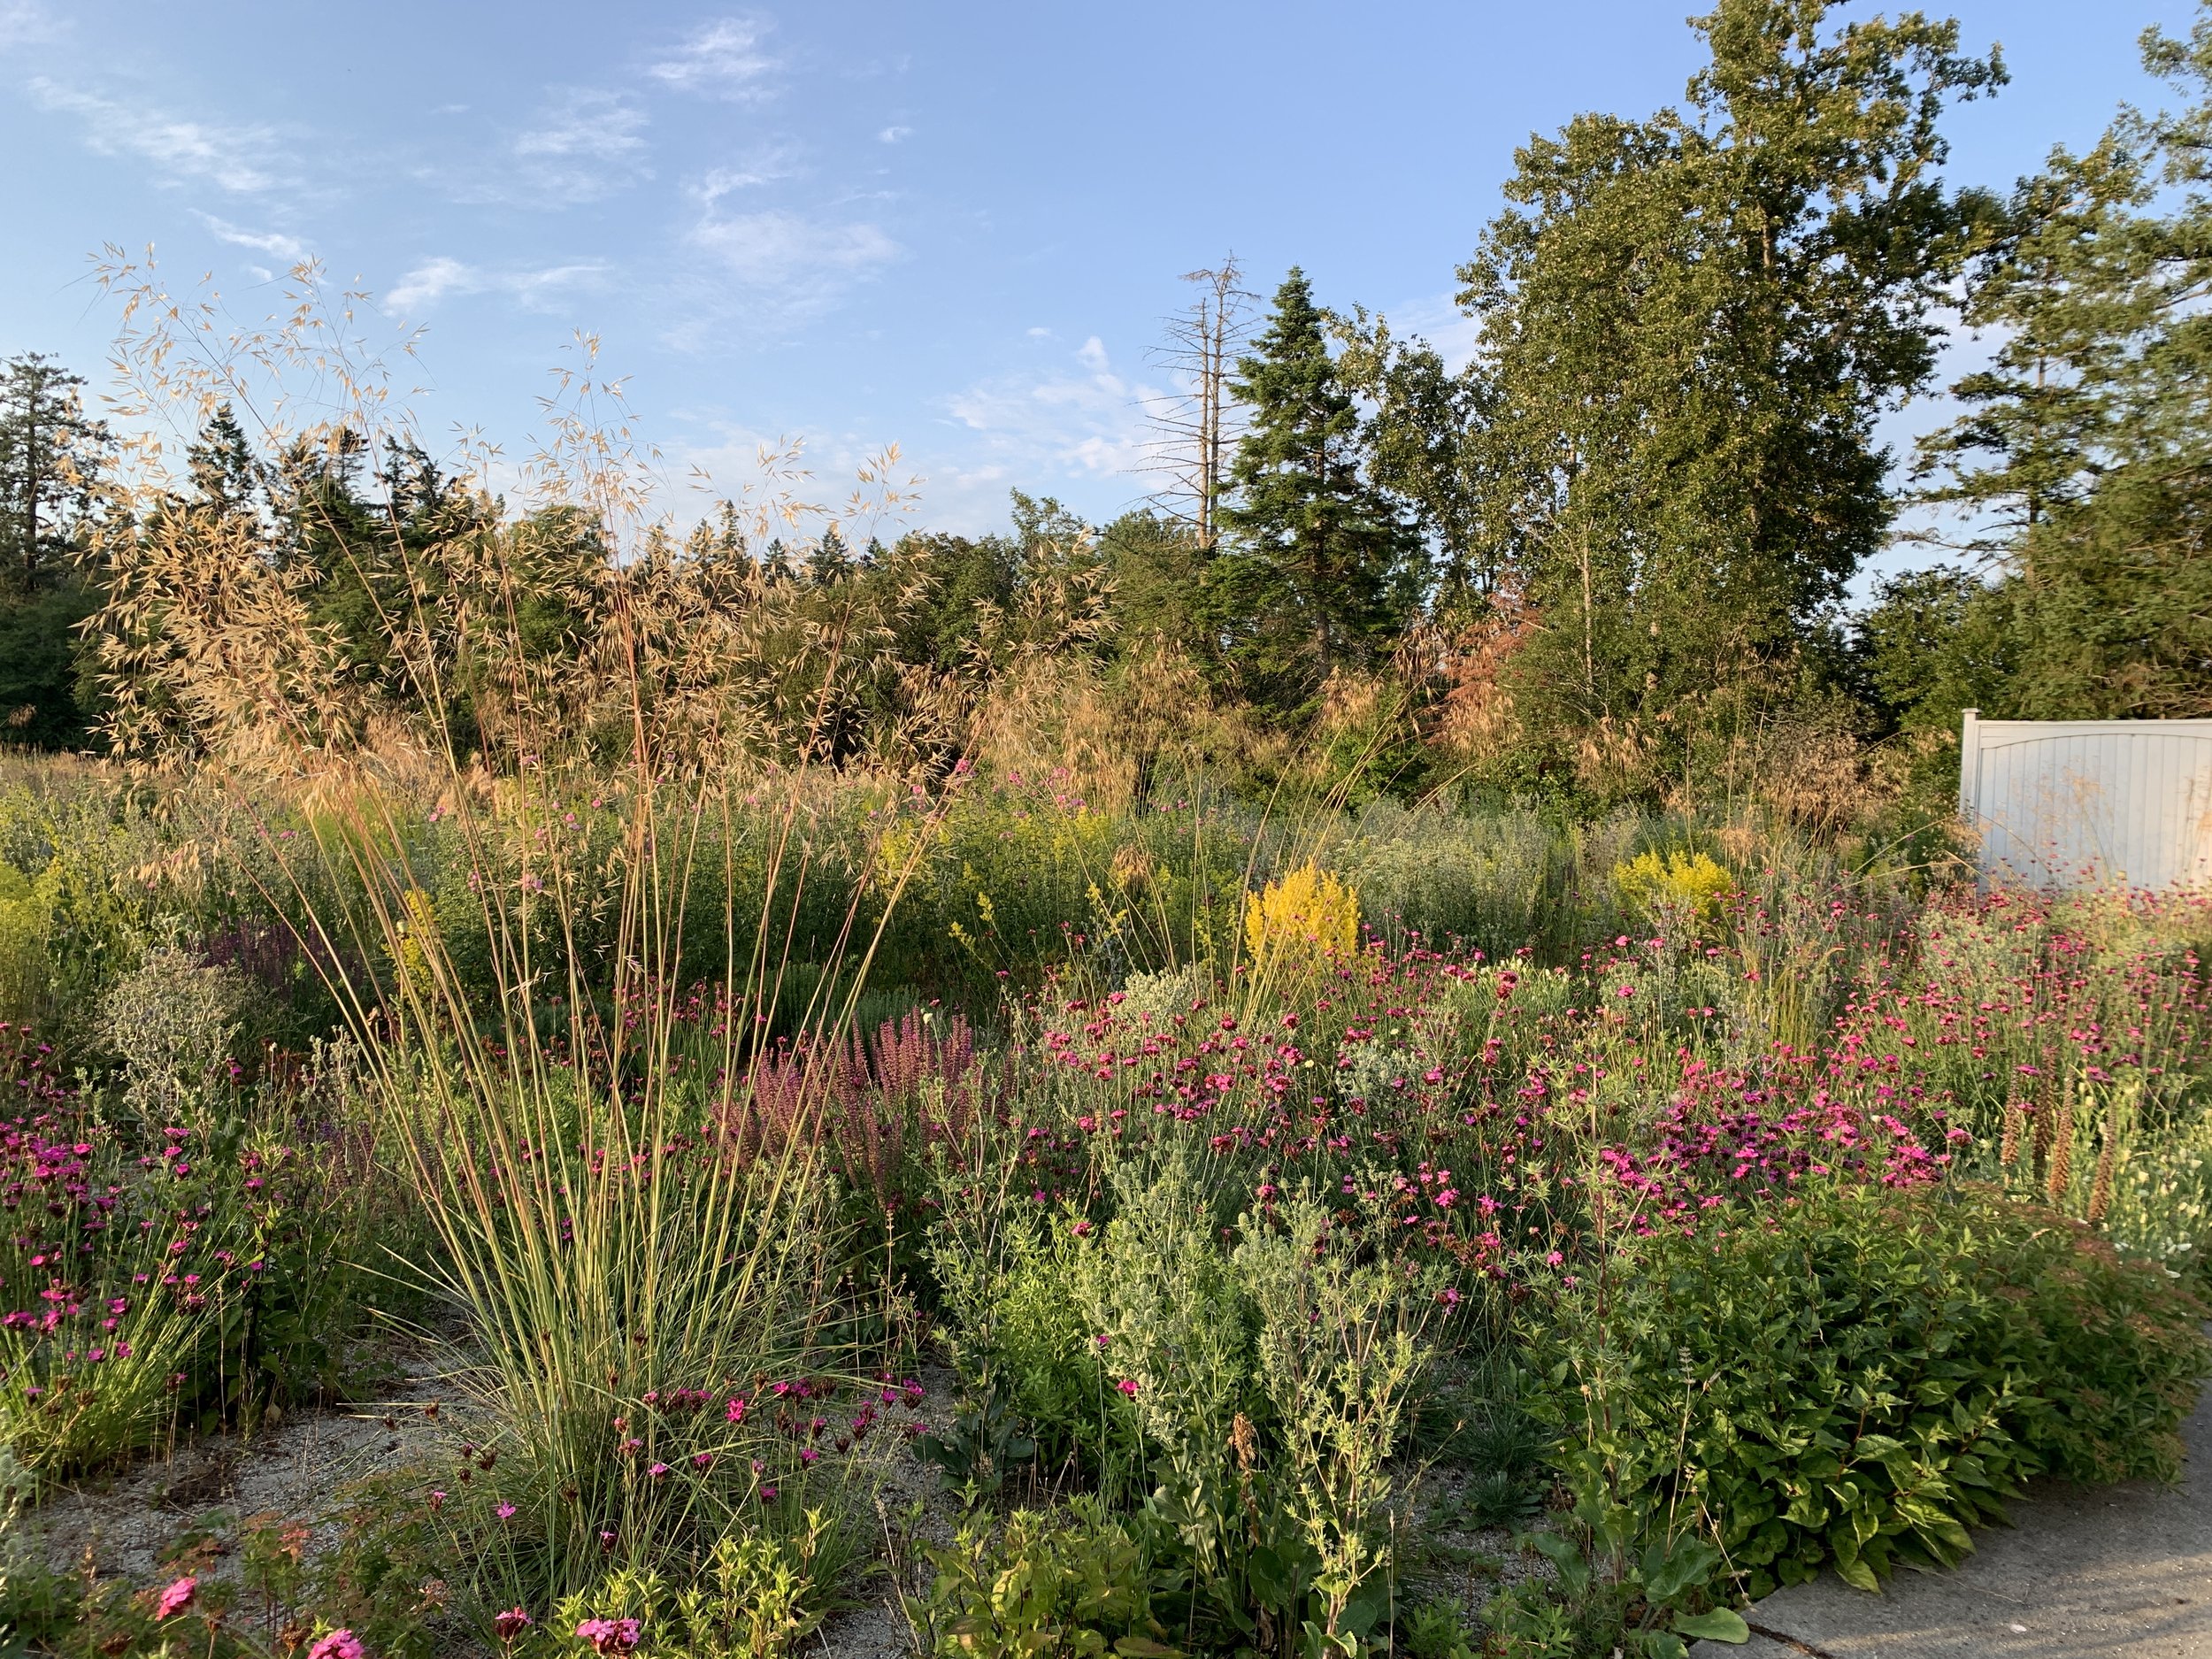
954, 226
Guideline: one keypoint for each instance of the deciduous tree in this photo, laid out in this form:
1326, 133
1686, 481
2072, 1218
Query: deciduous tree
1689, 326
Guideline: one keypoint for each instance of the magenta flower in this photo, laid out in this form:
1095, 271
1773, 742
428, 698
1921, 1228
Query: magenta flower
176, 1598
1128, 1385
506, 1512
511, 1623
340, 1644
609, 1635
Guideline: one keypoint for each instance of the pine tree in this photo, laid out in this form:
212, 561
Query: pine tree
227, 476
1319, 568
833, 560
51, 455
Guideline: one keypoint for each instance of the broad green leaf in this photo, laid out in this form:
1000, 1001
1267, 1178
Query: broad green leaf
1721, 1625
1859, 1575
1669, 1570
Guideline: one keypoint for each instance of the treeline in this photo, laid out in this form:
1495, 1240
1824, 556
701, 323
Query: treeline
1608, 559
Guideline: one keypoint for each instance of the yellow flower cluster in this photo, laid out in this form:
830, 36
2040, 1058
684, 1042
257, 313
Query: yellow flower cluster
418, 935
1307, 918
1673, 887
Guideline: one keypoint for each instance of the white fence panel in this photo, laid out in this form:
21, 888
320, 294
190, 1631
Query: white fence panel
2080, 802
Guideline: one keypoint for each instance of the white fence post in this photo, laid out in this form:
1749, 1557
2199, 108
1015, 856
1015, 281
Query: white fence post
1970, 765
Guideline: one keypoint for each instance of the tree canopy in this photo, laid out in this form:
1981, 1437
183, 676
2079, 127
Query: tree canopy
1633, 515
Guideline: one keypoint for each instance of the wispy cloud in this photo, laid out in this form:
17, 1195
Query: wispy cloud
240, 159
753, 276
1438, 319
727, 458
1091, 422
765, 166
441, 278
291, 249
26, 23
893, 134
791, 259
586, 142
723, 58
582, 144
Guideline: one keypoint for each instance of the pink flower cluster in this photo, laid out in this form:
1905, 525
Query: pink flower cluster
609, 1635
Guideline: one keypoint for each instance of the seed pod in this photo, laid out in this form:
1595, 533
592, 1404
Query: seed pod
1244, 1441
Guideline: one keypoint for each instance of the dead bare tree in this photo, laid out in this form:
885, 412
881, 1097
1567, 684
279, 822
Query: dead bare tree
1193, 427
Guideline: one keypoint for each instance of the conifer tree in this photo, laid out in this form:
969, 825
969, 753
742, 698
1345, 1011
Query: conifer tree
51, 454
833, 560
1319, 568
51, 457
227, 476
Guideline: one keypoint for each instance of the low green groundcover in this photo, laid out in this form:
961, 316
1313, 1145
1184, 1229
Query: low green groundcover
1856, 1379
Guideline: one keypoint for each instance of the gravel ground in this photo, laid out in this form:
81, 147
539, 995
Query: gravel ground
296, 1470
874, 1628
126, 1524
123, 1524
1448, 1559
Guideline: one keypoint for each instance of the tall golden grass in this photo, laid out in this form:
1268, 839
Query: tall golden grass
597, 1239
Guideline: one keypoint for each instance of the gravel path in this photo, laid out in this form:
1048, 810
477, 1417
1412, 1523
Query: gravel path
130, 1524
121, 1525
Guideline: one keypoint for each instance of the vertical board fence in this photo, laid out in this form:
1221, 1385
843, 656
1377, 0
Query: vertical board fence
2072, 804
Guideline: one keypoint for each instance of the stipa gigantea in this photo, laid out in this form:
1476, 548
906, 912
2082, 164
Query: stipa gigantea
600, 1240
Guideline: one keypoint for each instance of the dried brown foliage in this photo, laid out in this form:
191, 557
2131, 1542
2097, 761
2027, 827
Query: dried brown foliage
684, 653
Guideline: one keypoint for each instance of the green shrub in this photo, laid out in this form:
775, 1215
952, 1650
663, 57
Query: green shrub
1856, 1379
1033, 1389
1267, 1380
1046, 1587
1436, 1629
24, 968
171, 1022
97, 872
756, 1595
1484, 880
